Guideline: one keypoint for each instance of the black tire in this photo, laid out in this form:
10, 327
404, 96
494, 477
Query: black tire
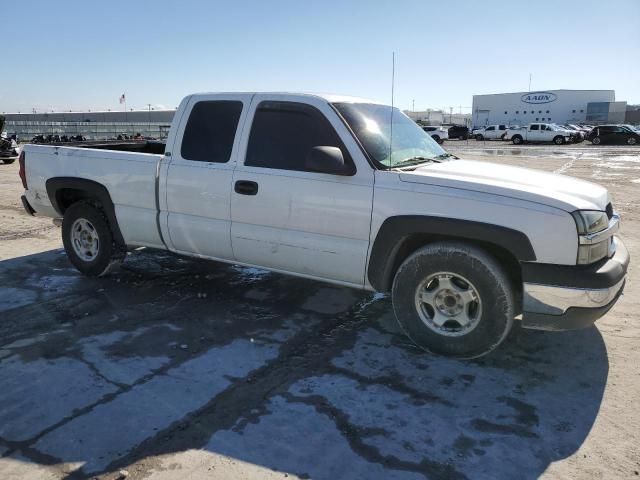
502, 136
596, 140
479, 138
558, 140
108, 255
436, 138
631, 141
8, 161
484, 273
516, 139
462, 137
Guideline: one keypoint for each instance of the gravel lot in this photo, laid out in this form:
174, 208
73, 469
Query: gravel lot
174, 368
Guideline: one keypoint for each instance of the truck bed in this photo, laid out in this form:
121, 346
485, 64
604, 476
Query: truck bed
138, 146
123, 168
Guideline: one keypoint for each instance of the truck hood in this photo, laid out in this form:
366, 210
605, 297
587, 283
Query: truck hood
550, 189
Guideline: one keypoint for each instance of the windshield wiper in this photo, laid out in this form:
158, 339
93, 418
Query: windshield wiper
442, 156
412, 161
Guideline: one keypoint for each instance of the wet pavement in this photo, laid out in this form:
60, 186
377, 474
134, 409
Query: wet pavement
172, 358
174, 368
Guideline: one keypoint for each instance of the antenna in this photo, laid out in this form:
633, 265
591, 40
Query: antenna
529, 82
393, 81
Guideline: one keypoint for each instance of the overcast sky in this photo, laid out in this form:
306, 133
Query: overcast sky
84, 54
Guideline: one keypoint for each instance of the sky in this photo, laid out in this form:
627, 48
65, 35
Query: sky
81, 55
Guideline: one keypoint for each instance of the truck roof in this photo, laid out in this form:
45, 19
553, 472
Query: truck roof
329, 97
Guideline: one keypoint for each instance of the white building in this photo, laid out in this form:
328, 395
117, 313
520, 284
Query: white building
438, 117
556, 106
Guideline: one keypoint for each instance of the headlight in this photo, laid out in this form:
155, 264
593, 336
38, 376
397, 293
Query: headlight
588, 254
590, 221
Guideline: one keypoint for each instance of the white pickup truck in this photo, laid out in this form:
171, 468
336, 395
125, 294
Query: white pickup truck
491, 132
539, 132
351, 192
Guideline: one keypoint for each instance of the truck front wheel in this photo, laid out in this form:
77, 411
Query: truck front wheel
88, 241
558, 140
453, 299
516, 139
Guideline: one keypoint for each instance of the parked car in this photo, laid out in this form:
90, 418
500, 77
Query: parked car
460, 132
538, 132
577, 135
491, 132
312, 186
613, 134
585, 129
439, 134
9, 149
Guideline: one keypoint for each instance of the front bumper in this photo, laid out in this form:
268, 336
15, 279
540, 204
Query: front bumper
559, 297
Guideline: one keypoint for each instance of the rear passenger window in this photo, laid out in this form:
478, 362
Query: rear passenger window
283, 134
535, 127
210, 131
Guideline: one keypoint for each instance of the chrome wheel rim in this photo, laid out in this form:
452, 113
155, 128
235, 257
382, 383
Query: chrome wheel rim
631, 141
448, 304
85, 240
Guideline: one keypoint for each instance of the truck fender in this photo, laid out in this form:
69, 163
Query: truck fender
90, 190
395, 232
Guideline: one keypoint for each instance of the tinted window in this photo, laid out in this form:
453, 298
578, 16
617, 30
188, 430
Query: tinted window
210, 131
502, 127
606, 129
490, 128
283, 134
535, 127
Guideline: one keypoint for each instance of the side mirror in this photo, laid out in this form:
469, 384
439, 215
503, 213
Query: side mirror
326, 160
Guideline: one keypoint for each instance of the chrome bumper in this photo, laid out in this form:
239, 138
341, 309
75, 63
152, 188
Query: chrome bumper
569, 297
552, 300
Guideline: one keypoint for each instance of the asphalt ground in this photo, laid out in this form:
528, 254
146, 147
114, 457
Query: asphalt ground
175, 368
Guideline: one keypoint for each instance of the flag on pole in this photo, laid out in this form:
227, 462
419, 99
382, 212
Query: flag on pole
122, 99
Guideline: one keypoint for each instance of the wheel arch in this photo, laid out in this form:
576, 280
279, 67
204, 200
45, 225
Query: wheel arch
65, 191
400, 236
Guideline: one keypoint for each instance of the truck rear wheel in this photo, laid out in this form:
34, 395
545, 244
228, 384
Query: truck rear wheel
453, 299
88, 241
516, 139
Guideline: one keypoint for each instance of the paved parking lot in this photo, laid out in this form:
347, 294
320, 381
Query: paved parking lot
175, 368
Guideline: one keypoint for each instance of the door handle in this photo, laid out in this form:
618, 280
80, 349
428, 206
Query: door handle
246, 187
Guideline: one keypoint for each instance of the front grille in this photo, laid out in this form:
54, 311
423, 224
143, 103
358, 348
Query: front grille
609, 210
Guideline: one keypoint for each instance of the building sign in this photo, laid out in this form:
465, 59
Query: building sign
539, 97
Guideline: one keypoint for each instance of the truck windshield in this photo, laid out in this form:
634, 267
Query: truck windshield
371, 123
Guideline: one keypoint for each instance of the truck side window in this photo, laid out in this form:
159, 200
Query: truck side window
283, 133
535, 127
210, 131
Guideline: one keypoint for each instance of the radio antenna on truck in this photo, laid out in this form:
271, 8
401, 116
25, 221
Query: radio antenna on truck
393, 78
